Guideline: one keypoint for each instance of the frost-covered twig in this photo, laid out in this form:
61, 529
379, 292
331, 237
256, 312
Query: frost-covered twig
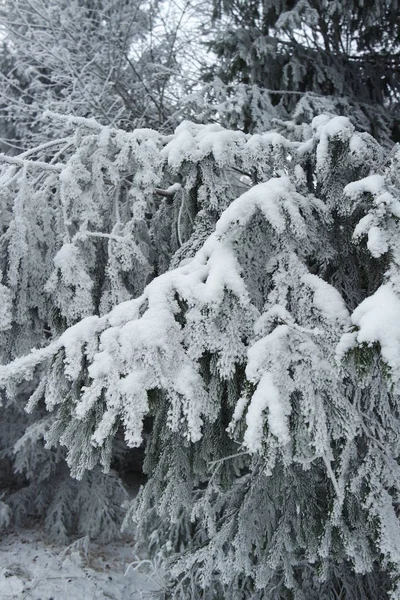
169, 192
38, 164
152, 567
42, 147
81, 235
220, 460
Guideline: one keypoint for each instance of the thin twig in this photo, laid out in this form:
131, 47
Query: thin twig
20, 162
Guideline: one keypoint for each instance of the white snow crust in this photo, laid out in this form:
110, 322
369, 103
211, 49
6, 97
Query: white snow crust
31, 569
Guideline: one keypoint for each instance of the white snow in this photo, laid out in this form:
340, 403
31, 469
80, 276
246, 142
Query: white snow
31, 569
260, 351
325, 128
378, 319
363, 225
346, 343
193, 142
5, 308
238, 412
73, 339
265, 397
377, 243
372, 184
333, 126
270, 197
224, 273
327, 300
125, 311
260, 144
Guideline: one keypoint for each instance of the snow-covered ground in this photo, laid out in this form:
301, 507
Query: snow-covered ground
31, 569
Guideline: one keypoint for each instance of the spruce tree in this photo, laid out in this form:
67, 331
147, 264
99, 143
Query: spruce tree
97, 59
260, 361
295, 59
268, 362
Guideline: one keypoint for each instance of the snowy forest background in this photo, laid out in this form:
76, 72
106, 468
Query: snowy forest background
200, 288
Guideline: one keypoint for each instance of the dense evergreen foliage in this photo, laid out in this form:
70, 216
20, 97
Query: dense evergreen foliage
296, 59
226, 297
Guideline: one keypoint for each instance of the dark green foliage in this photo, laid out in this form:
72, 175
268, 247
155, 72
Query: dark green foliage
302, 51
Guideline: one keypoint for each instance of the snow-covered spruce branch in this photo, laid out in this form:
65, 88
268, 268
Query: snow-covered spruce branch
44, 147
74, 121
23, 162
260, 337
83, 234
217, 264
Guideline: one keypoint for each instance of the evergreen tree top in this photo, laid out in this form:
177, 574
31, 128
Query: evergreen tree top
346, 51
